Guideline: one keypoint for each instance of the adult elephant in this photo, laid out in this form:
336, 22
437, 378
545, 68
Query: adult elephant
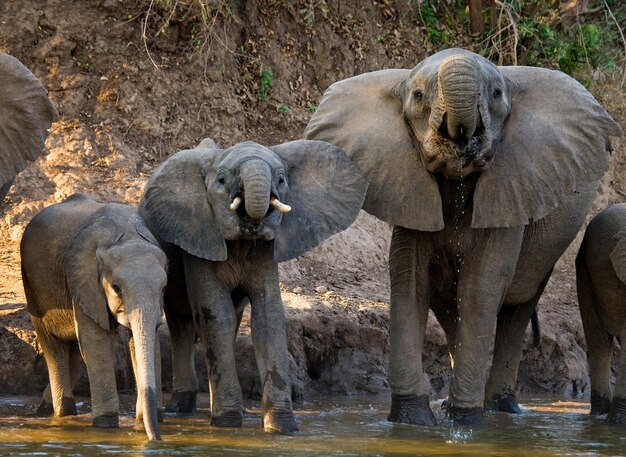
26, 114
487, 174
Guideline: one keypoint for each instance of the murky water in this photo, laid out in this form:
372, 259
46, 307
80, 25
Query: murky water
331, 426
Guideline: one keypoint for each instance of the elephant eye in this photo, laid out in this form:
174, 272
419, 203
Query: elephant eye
497, 93
417, 94
221, 179
281, 180
117, 290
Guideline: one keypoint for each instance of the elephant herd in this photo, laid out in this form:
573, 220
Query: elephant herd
486, 174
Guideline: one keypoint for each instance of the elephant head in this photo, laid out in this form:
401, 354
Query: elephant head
116, 270
454, 114
26, 114
297, 194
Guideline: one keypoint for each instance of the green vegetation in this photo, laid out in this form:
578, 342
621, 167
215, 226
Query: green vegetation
265, 85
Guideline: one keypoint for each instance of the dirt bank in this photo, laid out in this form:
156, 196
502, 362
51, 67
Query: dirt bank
126, 103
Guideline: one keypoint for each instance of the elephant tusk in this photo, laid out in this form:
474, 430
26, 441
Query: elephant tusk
235, 204
277, 204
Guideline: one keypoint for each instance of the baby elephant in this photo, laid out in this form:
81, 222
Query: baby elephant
601, 284
87, 267
226, 218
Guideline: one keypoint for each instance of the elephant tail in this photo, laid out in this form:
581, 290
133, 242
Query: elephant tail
534, 322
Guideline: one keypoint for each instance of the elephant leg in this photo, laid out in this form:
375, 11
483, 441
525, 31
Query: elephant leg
269, 338
57, 398
617, 410
184, 379
96, 347
599, 342
408, 317
216, 321
482, 284
511, 328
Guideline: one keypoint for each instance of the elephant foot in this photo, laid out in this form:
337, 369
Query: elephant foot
45, 409
465, 416
109, 420
505, 403
411, 409
182, 403
280, 421
617, 411
228, 419
600, 403
68, 408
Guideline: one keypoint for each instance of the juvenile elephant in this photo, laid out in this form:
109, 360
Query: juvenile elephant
87, 267
26, 114
486, 173
601, 285
226, 218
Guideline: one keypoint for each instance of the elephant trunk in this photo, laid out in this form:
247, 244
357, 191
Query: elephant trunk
256, 176
144, 336
459, 85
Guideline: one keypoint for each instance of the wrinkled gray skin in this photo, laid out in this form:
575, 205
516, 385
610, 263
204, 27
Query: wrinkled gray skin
222, 258
601, 286
26, 114
486, 173
88, 267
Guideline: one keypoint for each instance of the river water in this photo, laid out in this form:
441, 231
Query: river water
347, 426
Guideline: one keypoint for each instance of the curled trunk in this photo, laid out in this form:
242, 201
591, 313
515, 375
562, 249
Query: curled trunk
459, 92
257, 186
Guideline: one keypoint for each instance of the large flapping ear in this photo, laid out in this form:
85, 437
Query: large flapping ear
326, 191
26, 114
83, 274
555, 140
362, 116
618, 256
175, 206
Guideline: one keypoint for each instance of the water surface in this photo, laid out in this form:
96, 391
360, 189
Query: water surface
352, 426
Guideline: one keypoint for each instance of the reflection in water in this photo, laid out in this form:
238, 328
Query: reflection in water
330, 426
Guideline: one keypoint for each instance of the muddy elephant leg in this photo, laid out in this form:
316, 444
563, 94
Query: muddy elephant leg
599, 342
482, 283
96, 347
617, 410
269, 338
216, 321
511, 328
184, 379
57, 398
408, 316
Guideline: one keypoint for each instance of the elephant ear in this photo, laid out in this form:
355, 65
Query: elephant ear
83, 274
618, 256
555, 140
326, 192
362, 116
175, 206
26, 114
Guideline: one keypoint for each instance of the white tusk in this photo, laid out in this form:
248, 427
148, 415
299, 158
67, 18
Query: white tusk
276, 203
235, 204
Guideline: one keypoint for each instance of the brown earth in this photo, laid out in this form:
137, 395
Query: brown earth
127, 102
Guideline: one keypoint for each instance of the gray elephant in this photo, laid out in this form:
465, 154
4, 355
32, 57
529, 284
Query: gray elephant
601, 286
226, 218
486, 173
27, 114
88, 267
